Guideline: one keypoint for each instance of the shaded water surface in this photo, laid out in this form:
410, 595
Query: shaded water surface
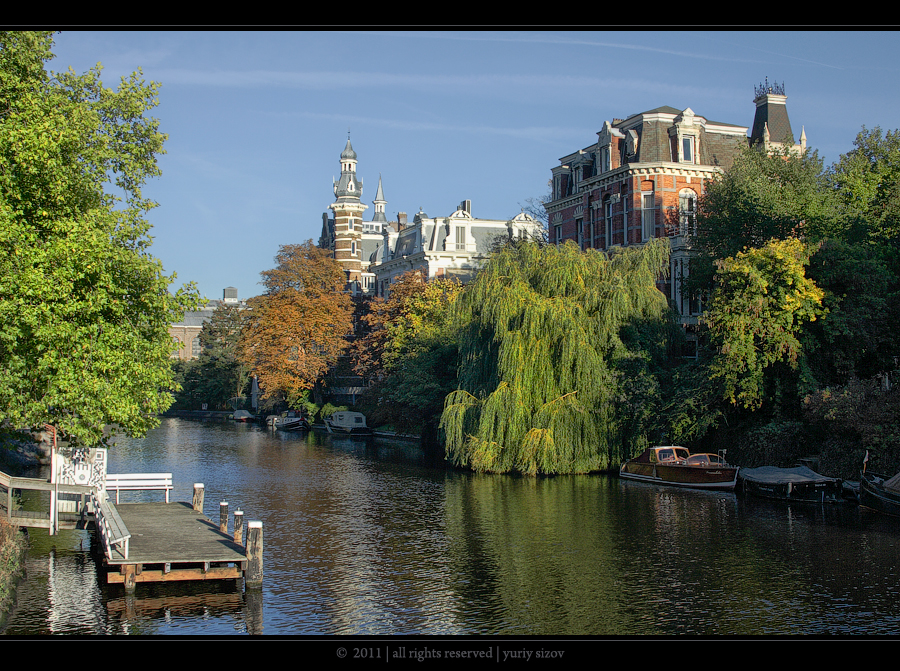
366, 539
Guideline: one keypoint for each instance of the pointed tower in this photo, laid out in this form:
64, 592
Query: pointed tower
348, 210
379, 217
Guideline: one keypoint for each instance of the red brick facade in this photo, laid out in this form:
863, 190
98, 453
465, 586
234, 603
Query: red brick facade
640, 180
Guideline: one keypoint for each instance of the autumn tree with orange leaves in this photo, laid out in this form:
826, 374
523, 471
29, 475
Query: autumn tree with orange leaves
298, 328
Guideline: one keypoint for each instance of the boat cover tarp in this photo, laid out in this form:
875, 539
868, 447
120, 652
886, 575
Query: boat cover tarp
774, 475
893, 483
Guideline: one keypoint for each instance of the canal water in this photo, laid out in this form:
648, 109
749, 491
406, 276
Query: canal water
365, 538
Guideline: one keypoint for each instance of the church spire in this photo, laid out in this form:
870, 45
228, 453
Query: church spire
379, 202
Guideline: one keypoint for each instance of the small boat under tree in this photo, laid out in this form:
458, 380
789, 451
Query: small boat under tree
347, 423
676, 466
292, 420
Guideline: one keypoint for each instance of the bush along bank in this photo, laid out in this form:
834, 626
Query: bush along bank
13, 545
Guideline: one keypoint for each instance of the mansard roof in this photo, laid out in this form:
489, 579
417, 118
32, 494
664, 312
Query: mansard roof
666, 109
771, 112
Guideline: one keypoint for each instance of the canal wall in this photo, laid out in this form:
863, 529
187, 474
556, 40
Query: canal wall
199, 414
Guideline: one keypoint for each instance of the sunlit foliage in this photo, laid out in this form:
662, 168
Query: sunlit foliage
409, 352
541, 384
84, 308
761, 301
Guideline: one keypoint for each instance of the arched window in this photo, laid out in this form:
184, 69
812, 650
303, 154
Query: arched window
687, 212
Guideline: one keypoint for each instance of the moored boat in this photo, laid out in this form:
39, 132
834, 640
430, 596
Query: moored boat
348, 424
676, 466
880, 493
292, 420
797, 484
242, 416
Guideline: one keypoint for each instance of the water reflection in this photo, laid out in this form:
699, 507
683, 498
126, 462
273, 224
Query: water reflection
363, 537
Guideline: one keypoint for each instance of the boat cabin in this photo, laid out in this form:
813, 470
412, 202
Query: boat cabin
348, 420
673, 454
705, 460
659, 455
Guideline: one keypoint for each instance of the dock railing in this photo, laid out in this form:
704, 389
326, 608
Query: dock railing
51, 517
110, 527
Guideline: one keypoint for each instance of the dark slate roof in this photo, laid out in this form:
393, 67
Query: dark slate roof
666, 109
776, 116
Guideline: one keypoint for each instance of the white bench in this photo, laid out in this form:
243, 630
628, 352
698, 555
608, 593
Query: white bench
110, 526
139, 481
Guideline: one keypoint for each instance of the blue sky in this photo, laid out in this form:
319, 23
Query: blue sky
257, 120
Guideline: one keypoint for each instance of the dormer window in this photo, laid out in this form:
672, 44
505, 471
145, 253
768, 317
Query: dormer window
687, 149
631, 144
685, 137
604, 159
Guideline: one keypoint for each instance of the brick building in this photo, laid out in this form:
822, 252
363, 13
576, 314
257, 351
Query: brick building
642, 177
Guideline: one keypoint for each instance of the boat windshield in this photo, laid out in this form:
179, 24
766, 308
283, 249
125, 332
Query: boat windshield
672, 454
705, 460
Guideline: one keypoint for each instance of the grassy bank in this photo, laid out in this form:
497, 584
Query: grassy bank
12, 563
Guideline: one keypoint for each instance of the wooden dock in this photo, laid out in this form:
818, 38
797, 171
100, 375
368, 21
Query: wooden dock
144, 542
170, 542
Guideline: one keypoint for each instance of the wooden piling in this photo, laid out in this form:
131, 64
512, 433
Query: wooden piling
239, 527
254, 574
129, 578
198, 497
223, 517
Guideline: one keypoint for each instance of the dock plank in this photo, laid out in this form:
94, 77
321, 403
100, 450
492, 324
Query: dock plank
175, 533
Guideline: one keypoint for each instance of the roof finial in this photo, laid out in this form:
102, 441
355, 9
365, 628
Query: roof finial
766, 88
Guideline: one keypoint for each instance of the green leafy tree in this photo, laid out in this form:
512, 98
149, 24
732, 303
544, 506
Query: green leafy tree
761, 197
867, 181
84, 308
547, 379
217, 375
761, 301
857, 338
225, 374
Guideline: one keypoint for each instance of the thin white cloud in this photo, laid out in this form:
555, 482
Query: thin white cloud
578, 39
547, 134
524, 89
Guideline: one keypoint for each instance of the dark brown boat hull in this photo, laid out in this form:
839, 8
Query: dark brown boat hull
697, 477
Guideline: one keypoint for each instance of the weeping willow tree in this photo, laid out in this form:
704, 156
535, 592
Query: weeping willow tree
543, 357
